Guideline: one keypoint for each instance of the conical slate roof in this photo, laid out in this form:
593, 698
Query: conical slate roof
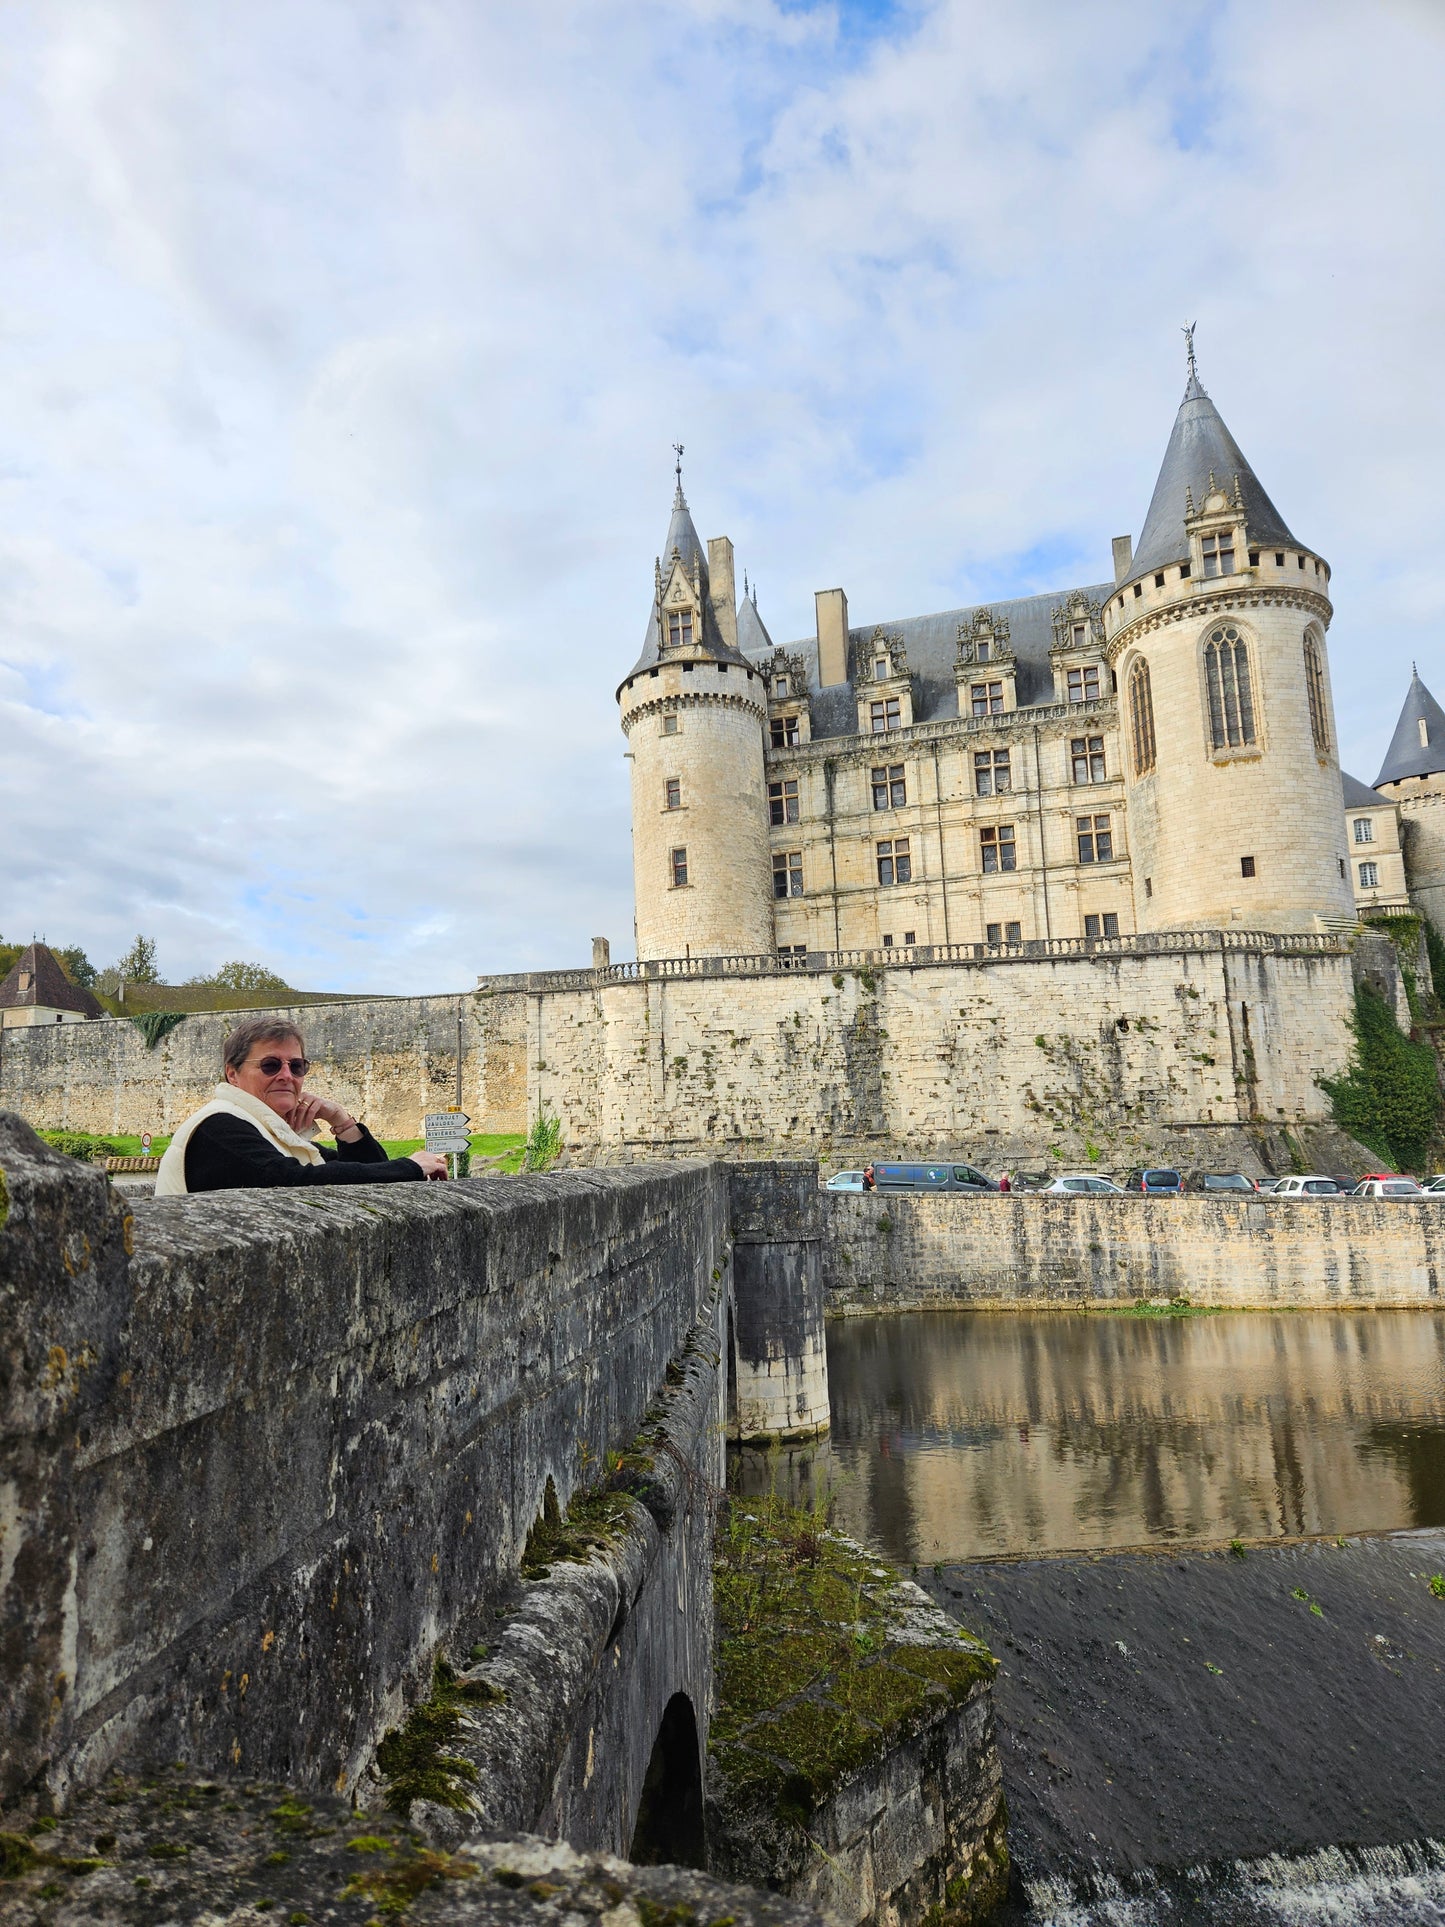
753, 637
1199, 446
683, 537
36, 981
1417, 747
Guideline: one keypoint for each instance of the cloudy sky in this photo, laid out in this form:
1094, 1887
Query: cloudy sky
342, 346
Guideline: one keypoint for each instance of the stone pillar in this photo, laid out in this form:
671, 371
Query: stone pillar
779, 1353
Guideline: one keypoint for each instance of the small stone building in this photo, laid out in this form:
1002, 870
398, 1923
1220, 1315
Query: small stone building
37, 991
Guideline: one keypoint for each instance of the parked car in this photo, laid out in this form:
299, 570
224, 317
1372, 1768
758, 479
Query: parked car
845, 1181
1344, 1180
1152, 1178
1436, 1185
1314, 1185
1219, 1181
1393, 1186
1031, 1180
931, 1177
1081, 1183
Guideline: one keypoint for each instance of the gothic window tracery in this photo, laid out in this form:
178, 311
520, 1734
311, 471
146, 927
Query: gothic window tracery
1315, 686
1227, 684
1141, 718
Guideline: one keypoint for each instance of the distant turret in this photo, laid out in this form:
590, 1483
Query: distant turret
693, 712
1414, 776
1216, 636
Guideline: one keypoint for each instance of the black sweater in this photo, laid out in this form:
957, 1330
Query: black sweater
228, 1154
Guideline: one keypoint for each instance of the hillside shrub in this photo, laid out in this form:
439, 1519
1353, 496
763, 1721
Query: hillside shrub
82, 1145
1389, 1098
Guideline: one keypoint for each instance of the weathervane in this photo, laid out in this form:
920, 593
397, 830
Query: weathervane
1189, 346
677, 450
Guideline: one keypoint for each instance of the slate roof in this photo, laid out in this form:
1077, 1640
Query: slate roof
47, 986
931, 644
682, 536
1359, 796
1407, 755
1198, 445
753, 637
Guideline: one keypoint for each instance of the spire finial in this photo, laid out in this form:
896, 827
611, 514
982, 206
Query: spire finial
1188, 332
677, 470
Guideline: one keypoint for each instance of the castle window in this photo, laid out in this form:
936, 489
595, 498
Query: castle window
1084, 683
679, 869
991, 773
885, 715
983, 650
1141, 718
1226, 676
783, 732
910, 936
679, 628
890, 792
672, 793
1364, 830
1246, 866
793, 956
1369, 876
783, 801
1254, 558
880, 669
895, 863
1301, 561
788, 873
1096, 839
995, 934
1159, 580
1081, 635
1219, 553
669, 725
887, 940
1279, 559
997, 849
1148, 886
1315, 686
780, 685
987, 698
1186, 569
1105, 925
1086, 754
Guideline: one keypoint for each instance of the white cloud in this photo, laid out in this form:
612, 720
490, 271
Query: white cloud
343, 345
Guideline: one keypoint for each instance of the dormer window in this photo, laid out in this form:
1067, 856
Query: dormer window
983, 649
780, 685
880, 669
679, 628
1219, 553
1084, 683
1080, 635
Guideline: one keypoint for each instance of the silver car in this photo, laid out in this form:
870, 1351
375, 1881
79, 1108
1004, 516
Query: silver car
1073, 1184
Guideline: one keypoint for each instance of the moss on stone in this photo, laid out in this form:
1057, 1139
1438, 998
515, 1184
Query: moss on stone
415, 1760
394, 1887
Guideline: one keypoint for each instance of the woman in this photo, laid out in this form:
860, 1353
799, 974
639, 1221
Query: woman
259, 1126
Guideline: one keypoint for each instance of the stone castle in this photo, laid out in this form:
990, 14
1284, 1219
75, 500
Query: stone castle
1155, 753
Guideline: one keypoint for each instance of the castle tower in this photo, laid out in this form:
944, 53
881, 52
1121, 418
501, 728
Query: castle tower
693, 712
1414, 776
1215, 633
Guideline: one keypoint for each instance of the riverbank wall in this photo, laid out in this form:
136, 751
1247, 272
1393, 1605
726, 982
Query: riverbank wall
902, 1251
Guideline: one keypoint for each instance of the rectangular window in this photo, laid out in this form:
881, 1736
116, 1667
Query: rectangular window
1000, 933
997, 848
987, 698
793, 956
895, 863
1080, 634
880, 669
788, 873
1219, 553
1246, 866
673, 794
1106, 925
669, 725
1087, 756
783, 731
1096, 839
679, 869
885, 715
783, 801
910, 936
780, 685
890, 792
679, 628
991, 773
983, 650
1186, 569
1364, 830
1084, 683
1369, 876
1254, 558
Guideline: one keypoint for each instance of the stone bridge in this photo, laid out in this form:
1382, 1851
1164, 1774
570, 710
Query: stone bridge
265, 1457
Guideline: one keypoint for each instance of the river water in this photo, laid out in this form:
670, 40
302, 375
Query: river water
960, 1435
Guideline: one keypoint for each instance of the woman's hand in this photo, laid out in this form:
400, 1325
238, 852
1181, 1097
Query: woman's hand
433, 1164
308, 1108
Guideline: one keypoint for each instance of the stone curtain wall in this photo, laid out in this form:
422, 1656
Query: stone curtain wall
902, 1251
997, 1059
260, 1454
390, 1060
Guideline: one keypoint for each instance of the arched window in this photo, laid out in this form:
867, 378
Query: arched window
1315, 684
1141, 718
1226, 678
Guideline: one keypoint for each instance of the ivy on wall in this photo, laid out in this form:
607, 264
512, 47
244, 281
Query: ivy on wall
1390, 1096
153, 1025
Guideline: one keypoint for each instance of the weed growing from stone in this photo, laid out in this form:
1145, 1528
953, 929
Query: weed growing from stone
415, 1760
1437, 1584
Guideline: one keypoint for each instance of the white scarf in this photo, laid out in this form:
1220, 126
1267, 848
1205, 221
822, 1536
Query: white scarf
231, 1101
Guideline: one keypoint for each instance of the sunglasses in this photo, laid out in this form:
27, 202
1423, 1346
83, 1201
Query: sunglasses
298, 1066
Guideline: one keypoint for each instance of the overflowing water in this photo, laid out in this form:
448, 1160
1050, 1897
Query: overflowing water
962, 1435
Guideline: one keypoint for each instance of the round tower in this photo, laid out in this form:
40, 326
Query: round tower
1215, 632
1414, 776
694, 711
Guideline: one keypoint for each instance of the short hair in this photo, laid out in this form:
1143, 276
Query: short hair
258, 1030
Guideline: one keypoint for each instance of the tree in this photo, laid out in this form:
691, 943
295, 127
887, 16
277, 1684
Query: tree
238, 975
1389, 1098
9, 956
77, 966
138, 965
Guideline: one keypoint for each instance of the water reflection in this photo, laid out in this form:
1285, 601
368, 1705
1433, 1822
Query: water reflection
960, 1434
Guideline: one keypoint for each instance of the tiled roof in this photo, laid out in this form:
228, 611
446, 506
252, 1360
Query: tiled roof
37, 982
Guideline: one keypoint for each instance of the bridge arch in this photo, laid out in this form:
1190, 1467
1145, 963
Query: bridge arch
668, 1830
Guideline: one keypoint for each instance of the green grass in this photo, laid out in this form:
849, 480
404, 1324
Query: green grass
506, 1146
